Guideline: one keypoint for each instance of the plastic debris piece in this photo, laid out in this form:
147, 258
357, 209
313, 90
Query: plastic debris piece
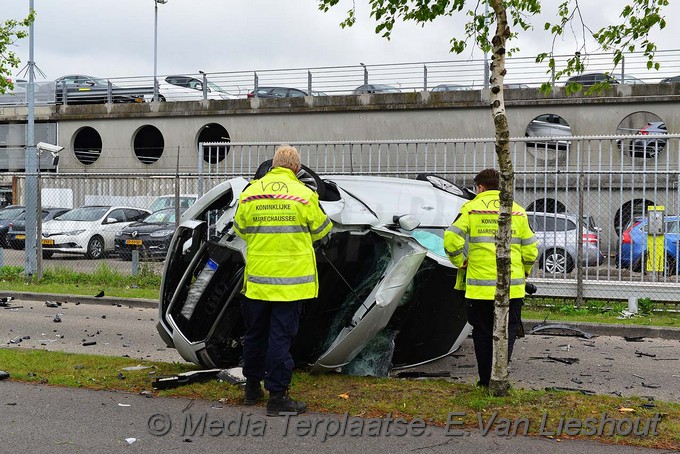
416, 374
560, 388
560, 330
121, 376
4, 375
641, 354
564, 360
52, 304
56, 318
173, 381
4, 301
634, 338
16, 340
233, 376
130, 440
137, 367
650, 385
626, 410
343, 396
124, 405
88, 343
100, 294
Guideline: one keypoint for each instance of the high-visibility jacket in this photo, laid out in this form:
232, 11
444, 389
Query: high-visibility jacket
279, 218
478, 222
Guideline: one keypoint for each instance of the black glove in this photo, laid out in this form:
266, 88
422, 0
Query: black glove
530, 288
324, 242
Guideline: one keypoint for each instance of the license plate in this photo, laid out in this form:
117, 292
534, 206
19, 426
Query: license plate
20, 237
134, 242
48, 242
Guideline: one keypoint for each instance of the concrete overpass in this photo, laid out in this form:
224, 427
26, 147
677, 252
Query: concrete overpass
147, 137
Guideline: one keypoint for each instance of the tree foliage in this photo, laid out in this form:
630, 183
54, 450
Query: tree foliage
11, 30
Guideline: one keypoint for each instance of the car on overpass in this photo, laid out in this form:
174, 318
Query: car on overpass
187, 88
277, 92
386, 297
83, 89
375, 88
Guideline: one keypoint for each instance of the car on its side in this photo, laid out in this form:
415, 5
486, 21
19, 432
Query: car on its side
150, 236
633, 254
277, 92
386, 297
16, 236
7, 216
88, 230
187, 88
645, 148
590, 79
558, 239
375, 88
82, 89
170, 200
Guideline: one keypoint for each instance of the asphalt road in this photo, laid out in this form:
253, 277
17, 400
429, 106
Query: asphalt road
48, 419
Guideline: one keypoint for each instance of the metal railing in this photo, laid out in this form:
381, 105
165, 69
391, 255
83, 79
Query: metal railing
340, 80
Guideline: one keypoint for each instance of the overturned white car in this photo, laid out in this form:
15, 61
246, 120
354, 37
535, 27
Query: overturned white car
386, 297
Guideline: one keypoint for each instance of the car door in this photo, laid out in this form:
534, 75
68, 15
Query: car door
114, 221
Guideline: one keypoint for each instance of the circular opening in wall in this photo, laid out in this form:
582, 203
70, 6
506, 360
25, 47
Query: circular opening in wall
629, 213
547, 205
551, 126
641, 124
87, 145
213, 132
148, 144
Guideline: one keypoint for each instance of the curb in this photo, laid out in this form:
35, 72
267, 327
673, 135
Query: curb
604, 329
105, 300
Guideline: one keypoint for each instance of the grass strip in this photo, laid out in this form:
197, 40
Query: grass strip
431, 400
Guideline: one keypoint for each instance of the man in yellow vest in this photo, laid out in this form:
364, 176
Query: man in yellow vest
470, 243
279, 218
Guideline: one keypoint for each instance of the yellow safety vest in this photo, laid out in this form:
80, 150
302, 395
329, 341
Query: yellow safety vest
478, 221
279, 218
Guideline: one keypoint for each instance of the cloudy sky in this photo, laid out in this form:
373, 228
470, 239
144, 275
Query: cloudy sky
114, 38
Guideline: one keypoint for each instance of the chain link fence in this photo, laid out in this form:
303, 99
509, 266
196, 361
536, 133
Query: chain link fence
588, 200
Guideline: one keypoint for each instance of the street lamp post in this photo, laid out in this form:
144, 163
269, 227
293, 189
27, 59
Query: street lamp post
155, 46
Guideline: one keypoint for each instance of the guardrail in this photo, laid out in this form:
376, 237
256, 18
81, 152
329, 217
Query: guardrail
407, 77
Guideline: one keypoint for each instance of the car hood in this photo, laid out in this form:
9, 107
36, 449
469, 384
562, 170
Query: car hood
145, 227
56, 226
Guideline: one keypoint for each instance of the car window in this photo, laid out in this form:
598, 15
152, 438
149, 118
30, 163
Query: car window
673, 227
118, 215
84, 214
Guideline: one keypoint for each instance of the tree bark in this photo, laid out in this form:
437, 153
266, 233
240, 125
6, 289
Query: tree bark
499, 384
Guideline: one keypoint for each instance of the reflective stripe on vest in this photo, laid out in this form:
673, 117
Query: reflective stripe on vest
492, 282
492, 240
294, 198
323, 226
282, 280
276, 229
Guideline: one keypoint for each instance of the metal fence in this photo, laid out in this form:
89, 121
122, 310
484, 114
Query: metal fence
339, 80
587, 196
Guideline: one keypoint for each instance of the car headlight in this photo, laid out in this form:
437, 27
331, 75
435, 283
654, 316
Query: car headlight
72, 232
160, 233
119, 232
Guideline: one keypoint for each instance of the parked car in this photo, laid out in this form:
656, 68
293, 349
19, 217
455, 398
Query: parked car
386, 297
645, 148
375, 88
558, 239
549, 125
632, 252
16, 235
87, 230
632, 80
82, 89
167, 201
150, 236
187, 88
670, 80
588, 80
451, 87
277, 92
515, 86
7, 215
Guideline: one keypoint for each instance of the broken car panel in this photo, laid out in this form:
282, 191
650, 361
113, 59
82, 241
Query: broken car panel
386, 297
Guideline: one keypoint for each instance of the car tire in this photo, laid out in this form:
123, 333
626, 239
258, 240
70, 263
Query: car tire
95, 248
47, 254
557, 261
306, 175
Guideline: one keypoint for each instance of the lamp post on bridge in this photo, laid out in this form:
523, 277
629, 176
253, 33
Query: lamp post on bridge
155, 46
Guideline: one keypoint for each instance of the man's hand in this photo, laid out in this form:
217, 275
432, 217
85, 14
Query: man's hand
324, 242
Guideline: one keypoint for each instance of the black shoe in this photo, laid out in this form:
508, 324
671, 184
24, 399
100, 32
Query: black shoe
253, 392
282, 403
481, 385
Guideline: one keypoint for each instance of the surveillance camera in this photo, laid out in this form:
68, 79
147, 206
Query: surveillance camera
54, 149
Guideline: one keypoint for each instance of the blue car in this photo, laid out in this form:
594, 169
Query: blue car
633, 250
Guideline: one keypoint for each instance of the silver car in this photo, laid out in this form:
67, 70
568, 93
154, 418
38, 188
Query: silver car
558, 239
386, 297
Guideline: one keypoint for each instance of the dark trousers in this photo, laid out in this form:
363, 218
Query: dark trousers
270, 329
481, 316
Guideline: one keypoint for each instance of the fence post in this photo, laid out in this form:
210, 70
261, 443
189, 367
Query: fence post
424, 77
255, 83
135, 262
205, 86
579, 239
309, 83
200, 169
109, 90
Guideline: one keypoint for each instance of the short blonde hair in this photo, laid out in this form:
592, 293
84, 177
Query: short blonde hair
288, 157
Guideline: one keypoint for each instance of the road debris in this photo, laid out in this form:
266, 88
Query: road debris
130, 440
173, 381
233, 376
56, 318
4, 375
634, 338
641, 354
89, 343
52, 304
417, 374
4, 301
555, 329
564, 360
651, 385
561, 388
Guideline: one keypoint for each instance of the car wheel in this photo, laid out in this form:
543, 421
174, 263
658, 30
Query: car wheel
557, 261
95, 248
47, 254
306, 175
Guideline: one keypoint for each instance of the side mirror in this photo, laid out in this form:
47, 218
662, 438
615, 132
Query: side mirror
406, 222
111, 220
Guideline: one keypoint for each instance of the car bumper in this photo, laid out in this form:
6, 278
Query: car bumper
76, 244
145, 247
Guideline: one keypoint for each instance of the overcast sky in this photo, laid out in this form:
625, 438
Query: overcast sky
112, 38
